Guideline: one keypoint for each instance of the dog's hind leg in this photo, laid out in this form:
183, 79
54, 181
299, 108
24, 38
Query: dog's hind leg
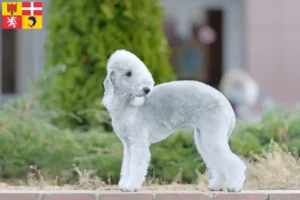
214, 140
215, 176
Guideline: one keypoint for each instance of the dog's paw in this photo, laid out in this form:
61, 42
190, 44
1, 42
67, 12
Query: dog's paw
128, 190
215, 184
129, 187
235, 185
234, 189
215, 189
121, 185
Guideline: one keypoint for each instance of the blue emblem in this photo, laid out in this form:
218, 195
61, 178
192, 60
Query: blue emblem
33, 20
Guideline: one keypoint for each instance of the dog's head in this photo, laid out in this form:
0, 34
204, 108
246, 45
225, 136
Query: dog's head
127, 74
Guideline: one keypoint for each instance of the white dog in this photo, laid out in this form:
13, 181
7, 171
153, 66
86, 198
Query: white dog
143, 114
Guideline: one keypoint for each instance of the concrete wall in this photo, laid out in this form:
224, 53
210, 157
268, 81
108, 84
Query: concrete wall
272, 30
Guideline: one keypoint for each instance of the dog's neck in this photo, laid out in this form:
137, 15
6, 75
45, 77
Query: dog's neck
116, 102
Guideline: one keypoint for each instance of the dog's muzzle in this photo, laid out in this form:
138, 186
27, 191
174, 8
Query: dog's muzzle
143, 91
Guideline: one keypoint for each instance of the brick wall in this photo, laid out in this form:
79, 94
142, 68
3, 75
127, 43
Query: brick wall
146, 195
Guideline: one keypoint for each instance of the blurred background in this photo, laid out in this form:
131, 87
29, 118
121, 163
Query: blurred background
247, 49
206, 37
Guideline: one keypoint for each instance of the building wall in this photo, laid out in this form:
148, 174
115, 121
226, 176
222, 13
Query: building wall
183, 10
270, 35
272, 30
30, 54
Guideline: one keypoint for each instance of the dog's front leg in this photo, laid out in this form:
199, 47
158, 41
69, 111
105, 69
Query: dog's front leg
125, 165
139, 163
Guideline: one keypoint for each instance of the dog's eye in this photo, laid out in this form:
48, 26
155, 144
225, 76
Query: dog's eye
128, 74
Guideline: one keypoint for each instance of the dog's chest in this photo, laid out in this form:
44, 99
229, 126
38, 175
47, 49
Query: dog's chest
125, 123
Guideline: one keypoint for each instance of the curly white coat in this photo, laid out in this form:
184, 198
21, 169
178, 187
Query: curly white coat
140, 119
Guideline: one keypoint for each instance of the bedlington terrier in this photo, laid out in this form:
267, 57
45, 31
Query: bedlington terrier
143, 114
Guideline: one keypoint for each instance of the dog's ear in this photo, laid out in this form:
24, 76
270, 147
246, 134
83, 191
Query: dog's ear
109, 82
108, 88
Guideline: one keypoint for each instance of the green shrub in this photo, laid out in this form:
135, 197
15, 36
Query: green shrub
278, 125
27, 137
83, 34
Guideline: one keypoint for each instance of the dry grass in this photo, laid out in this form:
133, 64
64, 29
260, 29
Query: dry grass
35, 178
274, 169
87, 181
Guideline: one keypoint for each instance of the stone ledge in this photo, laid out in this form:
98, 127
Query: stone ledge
147, 195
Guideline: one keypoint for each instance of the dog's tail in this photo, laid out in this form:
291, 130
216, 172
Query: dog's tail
231, 127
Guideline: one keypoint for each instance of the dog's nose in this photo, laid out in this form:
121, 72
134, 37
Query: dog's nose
146, 90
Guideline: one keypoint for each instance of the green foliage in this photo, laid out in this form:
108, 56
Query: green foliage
82, 35
176, 154
278, 125
27, 137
